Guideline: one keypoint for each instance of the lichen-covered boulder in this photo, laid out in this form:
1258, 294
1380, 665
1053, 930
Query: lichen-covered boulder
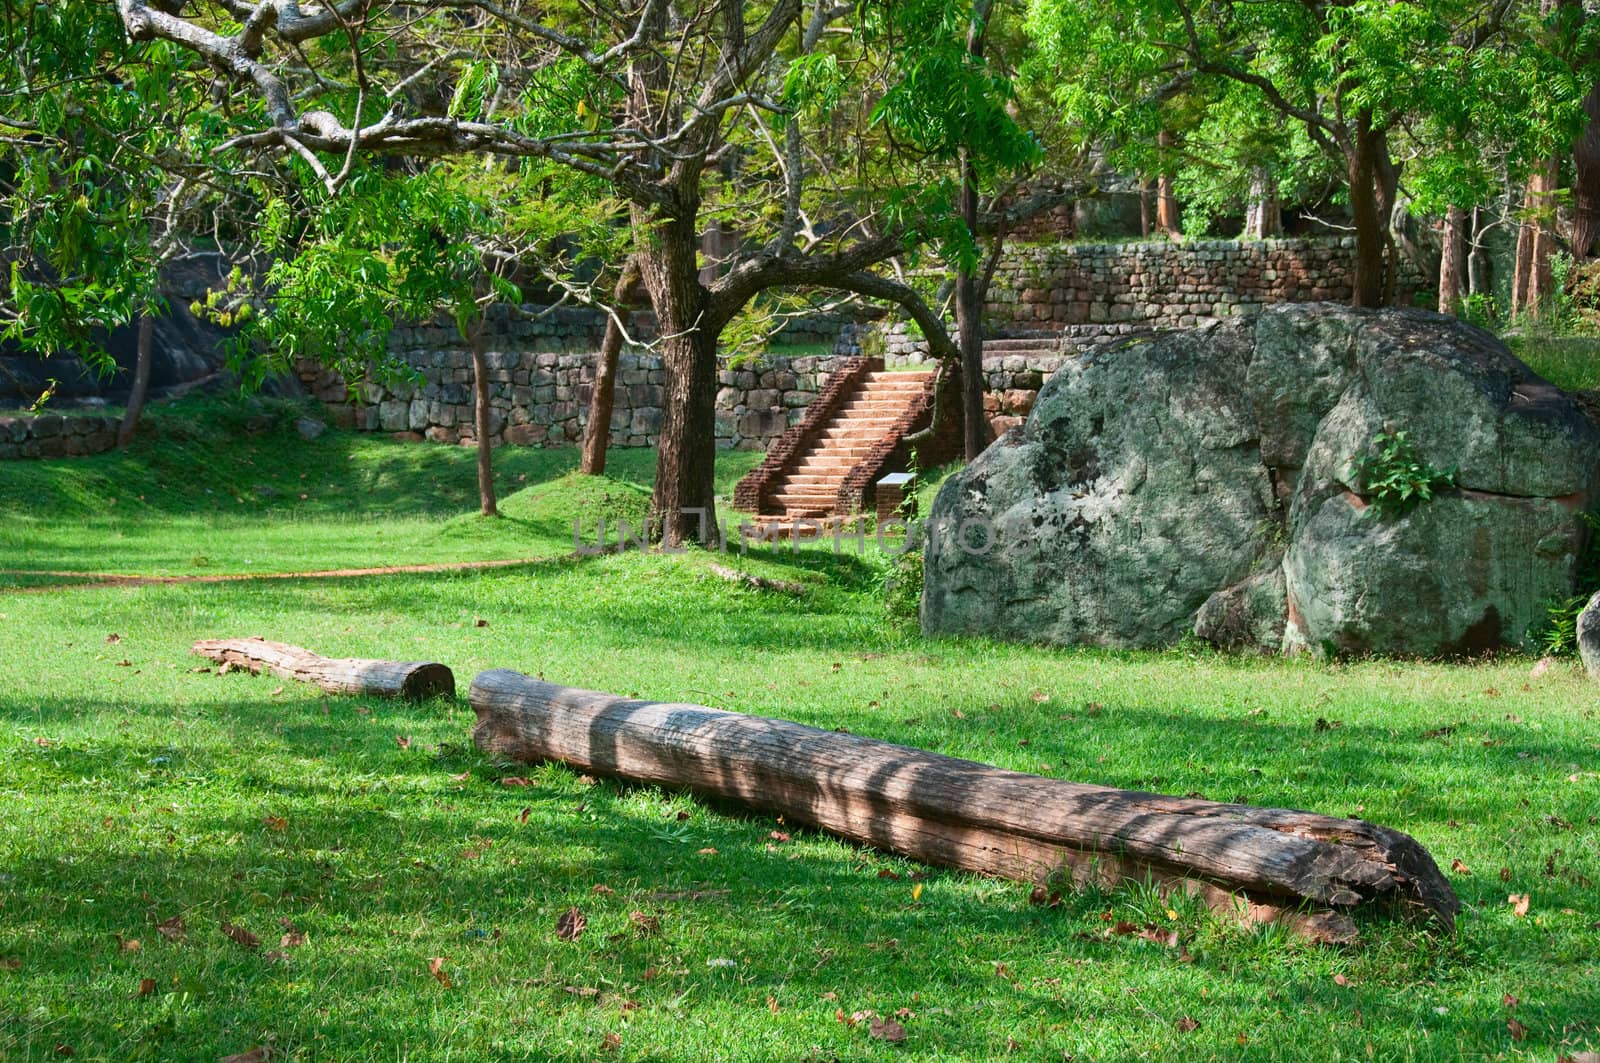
1207, 482
1589, 636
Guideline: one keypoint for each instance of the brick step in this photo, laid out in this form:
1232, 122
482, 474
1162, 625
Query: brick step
820, 461
813, 479
918, 375
855, 430
841, 449
870, 407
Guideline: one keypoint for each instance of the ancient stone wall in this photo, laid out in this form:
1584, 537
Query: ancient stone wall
1169, 285
541, 373
54, 435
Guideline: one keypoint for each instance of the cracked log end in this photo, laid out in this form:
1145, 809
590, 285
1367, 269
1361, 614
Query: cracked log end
1301, 869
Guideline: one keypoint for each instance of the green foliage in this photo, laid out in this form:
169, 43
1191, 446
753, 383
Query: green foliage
94, 175
1558, 635
902, 586
1394, 478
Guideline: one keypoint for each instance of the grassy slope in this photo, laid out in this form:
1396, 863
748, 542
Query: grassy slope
131, 793
1568, 362
191, 501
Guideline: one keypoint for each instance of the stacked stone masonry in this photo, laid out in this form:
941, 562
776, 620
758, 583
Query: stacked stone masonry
1058, 299
54, 435
1170, 285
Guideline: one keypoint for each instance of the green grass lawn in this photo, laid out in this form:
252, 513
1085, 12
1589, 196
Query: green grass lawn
359, 842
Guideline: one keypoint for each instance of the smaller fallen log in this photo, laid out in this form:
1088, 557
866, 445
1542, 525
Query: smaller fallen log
1263, 864
412, 680
759, 583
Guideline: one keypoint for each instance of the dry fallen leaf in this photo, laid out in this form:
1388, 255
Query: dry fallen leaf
436, 968
1039, 696
645, 926
293, 939
1186, 1024
887, 1030
113, 637
884, 872
602, 889
571, 924
916, 893
1459, 868
127, 944
1505, 874
479, 621
1518, 1031
1340, 979
240, 936
259, 1054
173, 929
146, 987
610, 1042
772, 1005
276, 691
778, 836
1519, 903
403, 741
516, 780
276, 823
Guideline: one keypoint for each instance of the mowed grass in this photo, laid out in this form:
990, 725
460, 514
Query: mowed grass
365, 843
202, 492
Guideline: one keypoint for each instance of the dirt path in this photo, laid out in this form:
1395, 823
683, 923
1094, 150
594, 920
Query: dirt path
114, 579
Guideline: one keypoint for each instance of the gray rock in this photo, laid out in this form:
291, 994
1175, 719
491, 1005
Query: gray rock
1204, 481
1589, 636
309, 427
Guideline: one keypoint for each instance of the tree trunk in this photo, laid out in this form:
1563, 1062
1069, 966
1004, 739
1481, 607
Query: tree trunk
1167, 220
414, 680
602, 400
141, 380
1144, 209
1367, 285
958, 813
1586, 180
1532, 279
480, 419
684, 500
969, 328
1264, 216
969, 304
1452, 260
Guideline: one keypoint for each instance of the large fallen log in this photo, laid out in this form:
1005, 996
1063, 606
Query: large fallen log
1264, 864
413, 680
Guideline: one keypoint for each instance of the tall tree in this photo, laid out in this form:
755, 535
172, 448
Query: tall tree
674, 105
1354, 76
95, 197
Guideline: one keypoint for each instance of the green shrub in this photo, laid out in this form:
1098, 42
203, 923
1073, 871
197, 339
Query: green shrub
1395, 479
902, 586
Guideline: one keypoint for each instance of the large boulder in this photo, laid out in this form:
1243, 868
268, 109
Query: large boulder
1205, 482
1589, 636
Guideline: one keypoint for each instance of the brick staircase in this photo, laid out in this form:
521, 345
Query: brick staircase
854, 433
811, 486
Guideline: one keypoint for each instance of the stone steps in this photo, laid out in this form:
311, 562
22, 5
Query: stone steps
810, 485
